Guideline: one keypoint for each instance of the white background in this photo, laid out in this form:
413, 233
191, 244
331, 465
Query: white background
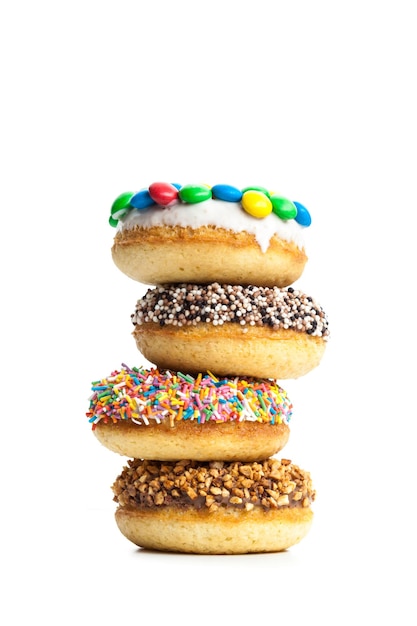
314, 99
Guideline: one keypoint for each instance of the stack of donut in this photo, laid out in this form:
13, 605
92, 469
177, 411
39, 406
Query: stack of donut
222, 325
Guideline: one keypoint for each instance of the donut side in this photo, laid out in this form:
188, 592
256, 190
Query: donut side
214, 508
230, 441
174, 254
231, 349
225, 532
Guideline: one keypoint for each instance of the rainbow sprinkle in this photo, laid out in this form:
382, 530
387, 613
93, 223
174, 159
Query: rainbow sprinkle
147, 396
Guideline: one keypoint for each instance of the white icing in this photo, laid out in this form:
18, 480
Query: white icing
228, 215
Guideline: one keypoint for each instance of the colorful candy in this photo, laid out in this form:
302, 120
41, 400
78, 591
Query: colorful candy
226, 193
261, 189
284, 208
163, 194
191, 194
255, 200
142, 200
121, 205
256, 203
303, 217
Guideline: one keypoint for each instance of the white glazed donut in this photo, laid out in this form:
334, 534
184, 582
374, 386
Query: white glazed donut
201, 234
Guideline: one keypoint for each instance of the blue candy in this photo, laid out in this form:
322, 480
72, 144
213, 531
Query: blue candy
141, 200
227, 193
303, 217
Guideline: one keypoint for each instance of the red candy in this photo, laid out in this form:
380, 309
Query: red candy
163, 194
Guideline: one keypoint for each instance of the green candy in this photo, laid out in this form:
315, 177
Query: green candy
113, 222
121, 204
194, 193
261, 189
284, 208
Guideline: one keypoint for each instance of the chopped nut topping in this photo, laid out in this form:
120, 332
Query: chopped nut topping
269, 484
283, 500
210, 500
159, 498
191, 493
246, 470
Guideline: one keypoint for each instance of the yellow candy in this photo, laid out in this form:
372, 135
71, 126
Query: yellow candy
256, 203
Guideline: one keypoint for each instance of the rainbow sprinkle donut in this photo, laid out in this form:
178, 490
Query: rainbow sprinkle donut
165, 415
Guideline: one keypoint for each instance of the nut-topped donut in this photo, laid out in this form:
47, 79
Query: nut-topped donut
165, 415
214, 508
266, 332
168, 233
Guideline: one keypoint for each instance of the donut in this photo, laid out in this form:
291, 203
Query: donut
169, 233
163, 415
215, 507
263, 332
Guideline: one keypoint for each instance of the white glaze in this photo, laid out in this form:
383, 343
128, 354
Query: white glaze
228, 215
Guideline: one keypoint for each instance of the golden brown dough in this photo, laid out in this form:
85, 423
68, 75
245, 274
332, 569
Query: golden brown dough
230, 441
176, 254
230, 349
223, 532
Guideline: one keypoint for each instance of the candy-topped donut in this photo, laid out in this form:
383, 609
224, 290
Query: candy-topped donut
265, 332
165, 415
168, 233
